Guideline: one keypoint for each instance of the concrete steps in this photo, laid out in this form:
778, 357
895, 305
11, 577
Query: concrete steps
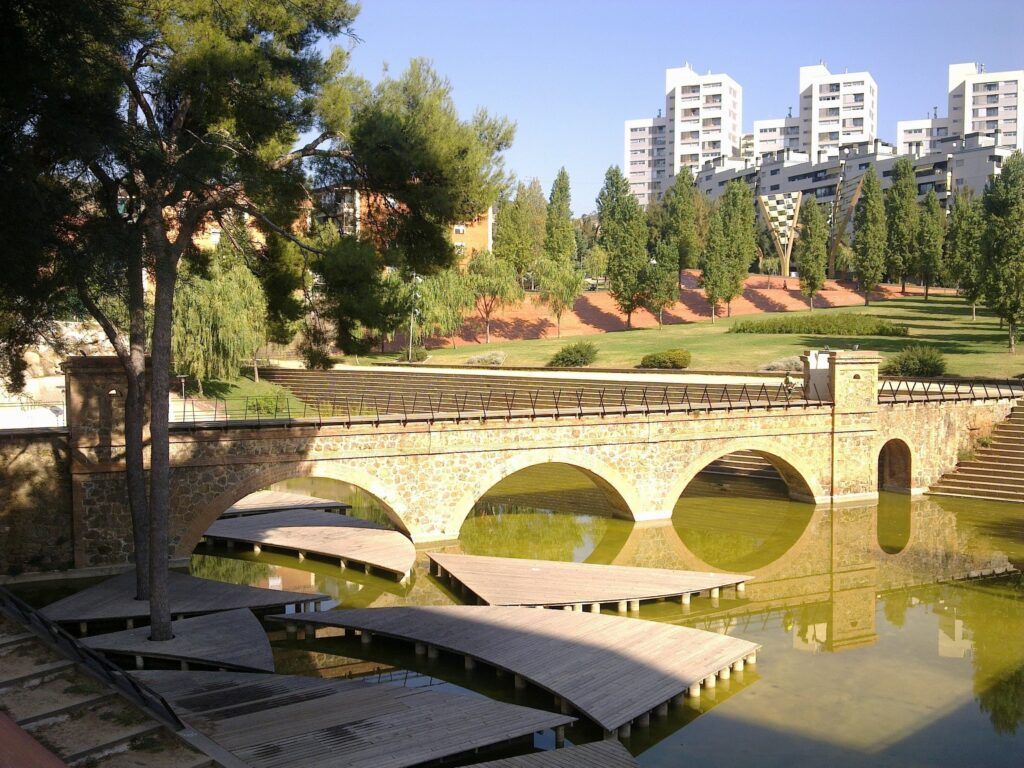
996, 470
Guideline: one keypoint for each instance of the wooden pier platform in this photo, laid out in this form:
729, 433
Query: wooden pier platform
598, 754
284, 721
355, 543
613, 670
575, 586
277, 501
229, 640
113, 601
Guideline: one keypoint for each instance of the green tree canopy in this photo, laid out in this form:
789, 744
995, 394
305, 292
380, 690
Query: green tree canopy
560, 285
869, 235
963, 246
811, 250
716, 274
444, 300
678, 220
495, 285
623, 234
931, 234
519, 230
739, 229
560, 237
1002, 246
661, 277
902, 219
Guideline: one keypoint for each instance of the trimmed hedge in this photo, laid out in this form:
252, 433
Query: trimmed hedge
917, 360
574, 355
822, 324
670, 358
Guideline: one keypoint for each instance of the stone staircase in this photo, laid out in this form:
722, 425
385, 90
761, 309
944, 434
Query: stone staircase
996, 471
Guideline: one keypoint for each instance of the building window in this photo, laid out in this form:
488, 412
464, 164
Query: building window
460, 229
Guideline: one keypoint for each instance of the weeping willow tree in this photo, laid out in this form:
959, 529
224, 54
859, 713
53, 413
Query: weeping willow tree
219, 314
443, 302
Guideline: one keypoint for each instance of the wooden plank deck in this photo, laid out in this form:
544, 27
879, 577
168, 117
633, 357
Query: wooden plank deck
614, 670
280, 721
276, 501
580, 586
230, 640
598, 754
114, 600
355, 543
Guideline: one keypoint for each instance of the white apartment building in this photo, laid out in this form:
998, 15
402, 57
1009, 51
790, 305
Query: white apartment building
703, 120
646, 160
978, 102
776, 134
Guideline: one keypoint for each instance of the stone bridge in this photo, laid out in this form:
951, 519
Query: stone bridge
430, 473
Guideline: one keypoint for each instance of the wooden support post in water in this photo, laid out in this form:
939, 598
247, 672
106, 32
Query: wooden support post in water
291, 630
432, 652
520, 682
715, 593
83, 628
741, 587
469, 663
595, 607
737, 666
559, 737
724, 674
366, 637
679, 699
709, 682
634, 606
621, 606
694, 691
751, 658
139, 662
256, 549
421, 649
662, 710
644, 721
624, 731
302, 555
685, 598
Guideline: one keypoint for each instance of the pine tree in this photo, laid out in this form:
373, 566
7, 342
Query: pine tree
739, 228
811, 250
560, 237
931, 234
560, 285
963, 247
494, 284
902, 222
1002, 246
623, 234
869, 235
714, 265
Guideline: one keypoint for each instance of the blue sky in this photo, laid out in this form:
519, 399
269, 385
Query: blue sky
569, 72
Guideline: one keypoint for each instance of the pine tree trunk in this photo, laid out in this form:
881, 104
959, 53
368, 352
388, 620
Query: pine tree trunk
487, 330
903, 286
629, 320
1013, 337
974, 310
926, 286
160, 464
728, 308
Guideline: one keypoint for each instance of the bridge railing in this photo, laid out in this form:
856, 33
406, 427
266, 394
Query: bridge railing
907, 390
541, 402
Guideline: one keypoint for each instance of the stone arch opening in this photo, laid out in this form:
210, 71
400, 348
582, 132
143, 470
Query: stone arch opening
749, 473
895, 467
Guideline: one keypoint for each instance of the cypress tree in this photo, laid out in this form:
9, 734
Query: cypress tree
811, 250
963, 247
869, 235
675, 221
714, 265
739, 229
1002, 246
623, 234
560, 237
902, 222
931, 233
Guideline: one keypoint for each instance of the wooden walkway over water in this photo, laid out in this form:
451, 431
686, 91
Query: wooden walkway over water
354, 543
228, 640
614, 670
275, 501
599, 754
112, 602
283, 721
576, 586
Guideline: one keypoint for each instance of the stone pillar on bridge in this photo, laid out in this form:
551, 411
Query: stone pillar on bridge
853, 385
95, 389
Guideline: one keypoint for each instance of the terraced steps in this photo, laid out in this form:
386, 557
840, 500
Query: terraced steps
996, 471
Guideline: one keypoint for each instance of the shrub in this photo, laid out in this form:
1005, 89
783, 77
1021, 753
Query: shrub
574, 355
670, 358
419, 354
492, 358
822, 324
915, 360
791, 364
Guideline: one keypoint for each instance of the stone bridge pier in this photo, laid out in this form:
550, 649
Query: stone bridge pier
430, 475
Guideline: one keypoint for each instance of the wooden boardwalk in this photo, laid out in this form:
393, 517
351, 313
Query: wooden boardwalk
280, 721
576, 586
613, 670
277, 501
228, 640
599, 754
355, 543
113, 601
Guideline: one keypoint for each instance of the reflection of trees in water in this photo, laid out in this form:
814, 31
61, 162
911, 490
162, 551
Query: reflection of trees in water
739, 533
364, 504
228, 569
510, 530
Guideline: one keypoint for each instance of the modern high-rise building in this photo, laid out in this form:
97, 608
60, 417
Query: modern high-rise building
834, 110
703, 120
978, 102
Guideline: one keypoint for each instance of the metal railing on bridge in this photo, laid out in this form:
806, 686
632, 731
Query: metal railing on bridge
907, 390
542, 402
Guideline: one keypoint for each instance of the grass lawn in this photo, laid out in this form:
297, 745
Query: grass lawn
972, 348
245, 397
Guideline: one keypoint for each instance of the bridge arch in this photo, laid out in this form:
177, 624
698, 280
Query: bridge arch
895, 466
620, 492
798, 475
347, 472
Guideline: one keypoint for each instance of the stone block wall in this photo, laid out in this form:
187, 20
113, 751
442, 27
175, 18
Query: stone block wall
36, 528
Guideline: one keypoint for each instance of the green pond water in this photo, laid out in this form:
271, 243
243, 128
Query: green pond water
884, 641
